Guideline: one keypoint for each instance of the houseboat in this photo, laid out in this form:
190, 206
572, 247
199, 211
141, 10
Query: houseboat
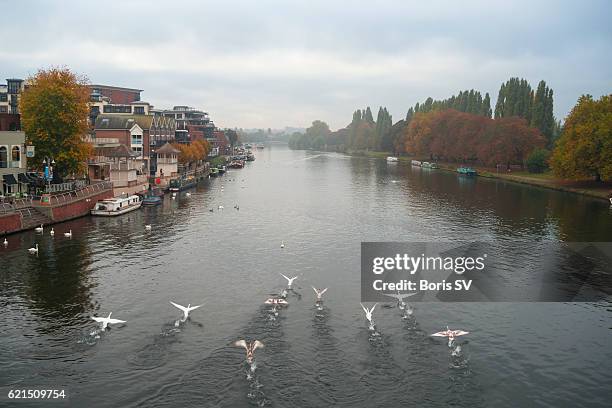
392, 159
467, 171
416, 163
428, 165
116, 206
181, 183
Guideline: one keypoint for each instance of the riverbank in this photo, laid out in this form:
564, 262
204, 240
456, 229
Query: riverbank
589, 188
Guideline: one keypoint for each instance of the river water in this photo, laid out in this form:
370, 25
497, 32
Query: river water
322, 206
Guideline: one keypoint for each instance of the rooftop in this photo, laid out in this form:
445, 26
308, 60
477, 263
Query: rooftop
119, 88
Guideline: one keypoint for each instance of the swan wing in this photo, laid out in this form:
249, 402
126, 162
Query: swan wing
257, 344
241, 343
115, 321
364, 308
460, 333
194, 307
183, 308
323, 291
289, 280
99, 319
441, 334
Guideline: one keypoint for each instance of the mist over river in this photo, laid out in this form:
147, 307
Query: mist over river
322, 206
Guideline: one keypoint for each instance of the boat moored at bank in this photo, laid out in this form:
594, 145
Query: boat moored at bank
416, 163
392, 159
116, 206
467, 171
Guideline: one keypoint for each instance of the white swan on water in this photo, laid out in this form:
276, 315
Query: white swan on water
39, 229
148, 227
185, 310
5, 242
368, 312
451, 334
282, 244
32, 250
289, 280
319, 292
107, 320
400, 298
250, 348
52, 233
68, 234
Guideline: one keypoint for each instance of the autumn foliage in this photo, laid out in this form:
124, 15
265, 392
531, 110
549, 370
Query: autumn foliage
454, 136
54, 117
194, 152
585, 147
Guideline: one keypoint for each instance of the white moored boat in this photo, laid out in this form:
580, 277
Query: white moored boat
391, 159
116, 206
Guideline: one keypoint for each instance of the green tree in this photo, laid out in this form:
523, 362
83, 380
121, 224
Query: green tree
54, 117
585, 146
537, 161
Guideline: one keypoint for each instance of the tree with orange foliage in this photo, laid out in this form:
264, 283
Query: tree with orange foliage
54, 117
454, 136
193, 152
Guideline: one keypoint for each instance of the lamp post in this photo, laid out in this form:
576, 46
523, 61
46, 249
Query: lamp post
48, 170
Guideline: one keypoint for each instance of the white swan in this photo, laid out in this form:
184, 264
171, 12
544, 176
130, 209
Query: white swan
52, 233
282, 244
68, 234
289, 280
276, 301
368, 312
39, 229
250, 348
400, 298
319, 292
33, 250
107, 320
5, 242
148, 227
451, 334
188, 194
185, 310
220, 207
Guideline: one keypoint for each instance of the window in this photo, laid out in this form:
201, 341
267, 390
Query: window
3, 157
15, 156
3, 97
117, 109
3, 109
136, 139
139, 110
137, 150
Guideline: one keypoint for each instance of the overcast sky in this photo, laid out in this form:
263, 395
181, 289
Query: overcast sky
281, 63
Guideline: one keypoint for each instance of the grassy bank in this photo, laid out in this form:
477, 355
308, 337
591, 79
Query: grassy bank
546, 180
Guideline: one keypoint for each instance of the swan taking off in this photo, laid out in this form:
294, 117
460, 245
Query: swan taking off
52, 233
39, 229
32, 250
451, 334
368, 312
107, 320
400, 298
289, 280
68, 234
319, 293
185, 310
275, 301
250, 348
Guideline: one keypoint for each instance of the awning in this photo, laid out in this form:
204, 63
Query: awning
23, 178
9, 179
